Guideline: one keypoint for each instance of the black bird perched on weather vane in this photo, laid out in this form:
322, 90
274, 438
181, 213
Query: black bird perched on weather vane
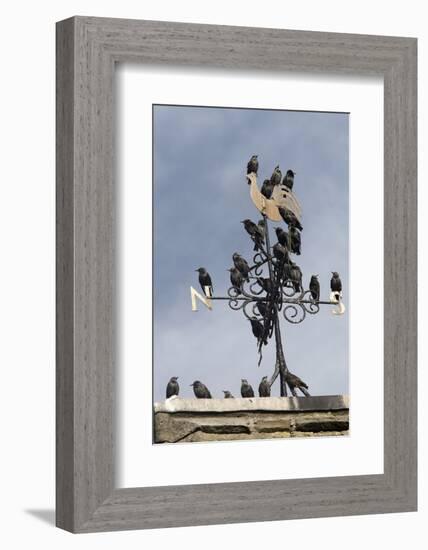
264, 387
200, 390
280, 252
289, 217
283, 237
255, 232
228, 395
172, 387
295, 240
246, 389
236, 278
241, 265
314, 287
253, 165
267, 189
296, 277
288, 180
276, 176
335, 282
294, 382
205, 280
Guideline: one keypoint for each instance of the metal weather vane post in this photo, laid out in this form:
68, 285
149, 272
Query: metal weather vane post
264, 299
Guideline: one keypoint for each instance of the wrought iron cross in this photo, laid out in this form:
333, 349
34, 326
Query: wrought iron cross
280, 293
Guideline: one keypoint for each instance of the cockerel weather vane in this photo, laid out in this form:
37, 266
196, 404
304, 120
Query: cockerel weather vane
272, 286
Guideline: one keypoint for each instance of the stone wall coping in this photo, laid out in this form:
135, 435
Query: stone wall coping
272, 404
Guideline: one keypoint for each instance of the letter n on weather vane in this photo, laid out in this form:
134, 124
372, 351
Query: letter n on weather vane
195, 295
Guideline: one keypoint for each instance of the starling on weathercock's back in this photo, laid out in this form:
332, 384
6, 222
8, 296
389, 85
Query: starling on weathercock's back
172, 387
253, 165
267, 189
314, 287
241, 265
295, 241
264, 387
246, 389
228, 395
335, 282
276, 176
283, 237
200, 390
289, 217
236, 278
294, 382
205, 280
288, 180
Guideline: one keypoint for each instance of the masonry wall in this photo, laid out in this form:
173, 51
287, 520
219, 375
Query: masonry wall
184, 420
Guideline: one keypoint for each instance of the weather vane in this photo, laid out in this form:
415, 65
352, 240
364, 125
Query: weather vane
272, 286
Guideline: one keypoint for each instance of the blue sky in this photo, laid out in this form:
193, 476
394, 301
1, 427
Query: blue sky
200, 196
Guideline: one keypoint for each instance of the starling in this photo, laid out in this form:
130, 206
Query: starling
205, 280
295, 241
335, 282
294, 382
246, 389
279, 252
257, 327
283, 237
266, 284
267, 189
261, 224
241, 265
200, 390
296, 277
314, 287
236, 278
253, 165
255, 232
228, 395
276, 176
172, 387
262, 307
289, 217
264, 387
288, 180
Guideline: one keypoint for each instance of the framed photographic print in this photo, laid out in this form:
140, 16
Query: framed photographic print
236, 274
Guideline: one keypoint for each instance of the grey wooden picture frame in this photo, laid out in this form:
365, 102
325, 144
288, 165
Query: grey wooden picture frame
87, 51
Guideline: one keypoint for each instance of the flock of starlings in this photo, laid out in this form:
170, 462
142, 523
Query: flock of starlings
239, 274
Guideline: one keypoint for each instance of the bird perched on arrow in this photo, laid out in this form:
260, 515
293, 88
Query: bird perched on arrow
289, 217
288, 180
276, 176
205, 280
253, 165
200, 390
172, 387
335, 282
264, 387
295, 240
241, 265
294, 382
246, 389
314, 287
